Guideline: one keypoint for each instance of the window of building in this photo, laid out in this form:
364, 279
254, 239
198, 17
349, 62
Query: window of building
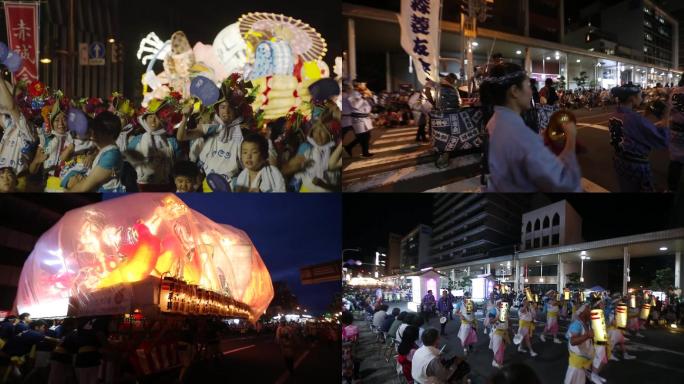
555, 239
536, 242
528, 244
529, 227
536, 225
645, 49
648, 23
649, 37
556, 220
545, 241
546, 222
647, 11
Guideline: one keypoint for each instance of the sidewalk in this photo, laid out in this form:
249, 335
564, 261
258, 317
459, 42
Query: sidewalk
374, 369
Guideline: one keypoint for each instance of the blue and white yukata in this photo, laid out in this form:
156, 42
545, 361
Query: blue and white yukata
220, 149
269, 179
633, 136
319, 155
108, 158
159, 152
17, 144
520, 162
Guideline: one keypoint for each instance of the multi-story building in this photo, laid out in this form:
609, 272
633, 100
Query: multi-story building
638, 30
380, 261
415, 248
393, 251
552, 225
473, 226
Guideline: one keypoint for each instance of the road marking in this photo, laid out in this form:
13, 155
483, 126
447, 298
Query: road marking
239, 349
663, 366
395, 148
407, 173
595, 126
283, 378
374, 161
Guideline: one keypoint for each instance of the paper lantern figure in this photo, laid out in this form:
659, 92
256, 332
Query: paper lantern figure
598, 326
621, 316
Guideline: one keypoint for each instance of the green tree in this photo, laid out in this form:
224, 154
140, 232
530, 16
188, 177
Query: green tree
582, 79
464, 282
573, 280
663, 279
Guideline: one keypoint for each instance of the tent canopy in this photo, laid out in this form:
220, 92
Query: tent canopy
115, 244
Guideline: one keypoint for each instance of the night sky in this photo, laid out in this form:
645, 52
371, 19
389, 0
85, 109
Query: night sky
369, 218
289, 230
203, 20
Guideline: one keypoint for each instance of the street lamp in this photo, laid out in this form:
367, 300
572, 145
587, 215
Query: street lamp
541, 271
583, 257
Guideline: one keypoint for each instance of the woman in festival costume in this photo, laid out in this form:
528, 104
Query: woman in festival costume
18, 136
633, 323
580, 347
55, 149
105, 173
490, 314
316, 165
616, 336
601, 353
154, 152
467, 332
258, 175
221, 139
526, 326
518, 159
634, 137
500, 336
551, 320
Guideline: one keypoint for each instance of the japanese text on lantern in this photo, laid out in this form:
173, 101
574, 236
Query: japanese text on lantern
22, 27
420, 25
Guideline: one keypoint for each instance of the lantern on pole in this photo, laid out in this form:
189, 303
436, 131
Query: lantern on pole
503, 311
645, 311
632, 301
598, 326
621, 316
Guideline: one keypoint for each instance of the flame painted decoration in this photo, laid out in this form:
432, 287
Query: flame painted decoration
116, 243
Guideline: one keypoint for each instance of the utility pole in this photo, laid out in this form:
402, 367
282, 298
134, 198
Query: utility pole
71, 54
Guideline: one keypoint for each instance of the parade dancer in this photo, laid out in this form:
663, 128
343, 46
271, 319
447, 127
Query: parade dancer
580, 348
526, 327
634, 137
500, 335
467, 332
427, 306
518, 159
552, 310
444, 308
361, 104
490, 314
633, 324
601, 352
617, 336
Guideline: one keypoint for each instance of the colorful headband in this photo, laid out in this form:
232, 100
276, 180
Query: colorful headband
502, 80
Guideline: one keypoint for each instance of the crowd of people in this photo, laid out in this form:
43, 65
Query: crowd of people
410, 332
54, 144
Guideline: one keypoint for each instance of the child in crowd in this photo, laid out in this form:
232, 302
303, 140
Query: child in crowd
317, 166
156, 152
55, 149
8, 180
187, 177
258, 175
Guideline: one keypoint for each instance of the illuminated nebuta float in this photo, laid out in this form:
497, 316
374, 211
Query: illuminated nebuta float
145, 252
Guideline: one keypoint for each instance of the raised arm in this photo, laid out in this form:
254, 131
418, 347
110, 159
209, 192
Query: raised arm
7, 101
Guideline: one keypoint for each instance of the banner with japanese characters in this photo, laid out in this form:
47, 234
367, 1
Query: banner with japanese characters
22, 37
419, 22
457, 130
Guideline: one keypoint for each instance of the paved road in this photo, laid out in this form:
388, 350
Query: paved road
402, 165
659, 356
257, 359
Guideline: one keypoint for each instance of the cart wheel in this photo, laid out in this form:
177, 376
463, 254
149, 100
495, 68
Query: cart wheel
442, 160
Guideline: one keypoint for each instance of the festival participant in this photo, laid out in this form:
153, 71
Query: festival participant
18, 136
601, 353
500, 336
676, 167
580, 348
518, 159
186, 177
633, 324
157, 150
361, 104
449, 98
317, 165
105, 174
444, 308
8, 180
467, 332
398, 321
634, 137
23, 324
490, 316
552, 310
350, 338
7, 329
346, 120
24, 342
427, 305
257, 175
285, 338
55, 149
62, 357
616, 336
221, 139
89, 339
526, 326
